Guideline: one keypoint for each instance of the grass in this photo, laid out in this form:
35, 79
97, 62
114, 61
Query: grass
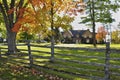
71, 67
113, 46
9, 71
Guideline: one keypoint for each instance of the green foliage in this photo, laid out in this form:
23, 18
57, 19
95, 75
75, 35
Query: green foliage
116, 36
1, 18
26, 36
2, 30
101, 10
63, 22
2, 27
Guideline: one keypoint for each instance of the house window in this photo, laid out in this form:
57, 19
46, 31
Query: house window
87, 40
85, 36
90, 36
69, 36
77, 36
64, 36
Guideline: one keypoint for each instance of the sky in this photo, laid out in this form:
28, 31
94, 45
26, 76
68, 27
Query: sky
77, 26
117, 19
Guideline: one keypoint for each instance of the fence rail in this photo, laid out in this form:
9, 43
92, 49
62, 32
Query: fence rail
28, 58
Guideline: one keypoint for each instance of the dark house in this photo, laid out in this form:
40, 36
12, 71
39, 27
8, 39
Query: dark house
78, 36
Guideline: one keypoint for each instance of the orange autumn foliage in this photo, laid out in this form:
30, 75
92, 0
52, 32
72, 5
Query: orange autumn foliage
10, 11
37, 15
16, 28
101, 33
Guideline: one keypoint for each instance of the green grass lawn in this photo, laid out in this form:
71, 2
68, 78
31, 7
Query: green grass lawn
113, 46
70, 66
10, 71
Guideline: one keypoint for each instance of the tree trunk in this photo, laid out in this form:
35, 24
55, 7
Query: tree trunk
10, 19
52, 37
94, 35
11, 40
92, 13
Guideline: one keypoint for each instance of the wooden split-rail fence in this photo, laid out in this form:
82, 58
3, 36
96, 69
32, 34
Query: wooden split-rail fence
69, 63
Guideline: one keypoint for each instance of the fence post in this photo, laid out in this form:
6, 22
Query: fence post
52, 49
107, 63
29, 53
0, 53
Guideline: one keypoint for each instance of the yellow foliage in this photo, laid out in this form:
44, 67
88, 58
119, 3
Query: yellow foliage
38, 17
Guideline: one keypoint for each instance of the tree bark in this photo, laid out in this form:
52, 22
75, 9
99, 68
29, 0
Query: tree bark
52, 37
11, 40
93, 22
92, 14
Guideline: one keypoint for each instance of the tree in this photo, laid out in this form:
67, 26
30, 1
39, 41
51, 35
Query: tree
99, 11
62, 22
37, 16
12, 11
26, 36
116, 36
101, 33
41, 16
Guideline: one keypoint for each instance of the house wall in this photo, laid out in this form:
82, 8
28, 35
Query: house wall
83, 36
87, 34
67, 35
87, 37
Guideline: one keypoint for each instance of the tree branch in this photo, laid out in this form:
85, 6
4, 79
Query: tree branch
0, 7
32, 5
4, 16
5, 5
12, 4
26, 4
11, 16
21, 3
20, 6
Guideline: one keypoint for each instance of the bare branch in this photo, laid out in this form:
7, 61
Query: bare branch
21, 3
4, 15
12, 4
11, 16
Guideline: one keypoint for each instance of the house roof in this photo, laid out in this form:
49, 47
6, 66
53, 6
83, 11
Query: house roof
68, 31
77, 32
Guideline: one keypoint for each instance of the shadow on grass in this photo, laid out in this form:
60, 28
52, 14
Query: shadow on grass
10, 71
81, 68
62, 66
